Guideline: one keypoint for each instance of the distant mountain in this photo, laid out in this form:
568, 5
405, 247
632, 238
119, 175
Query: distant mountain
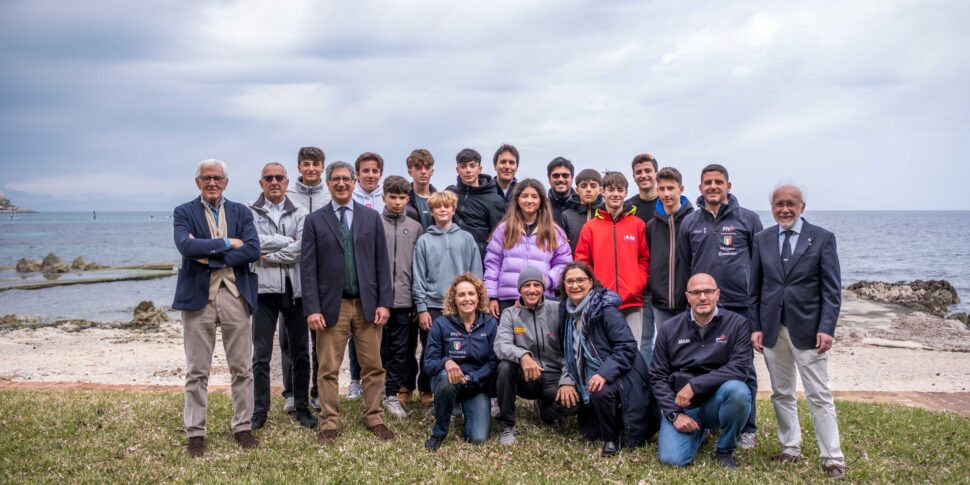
7, 206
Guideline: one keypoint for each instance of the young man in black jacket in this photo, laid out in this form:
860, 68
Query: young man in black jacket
480, 208
667, 283
699, 366
589, 186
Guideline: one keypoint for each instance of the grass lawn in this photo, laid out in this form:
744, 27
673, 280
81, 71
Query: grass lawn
124, 437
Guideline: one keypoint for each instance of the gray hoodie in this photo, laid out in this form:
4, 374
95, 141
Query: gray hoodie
536, 332
281, 246
440, 256
402, 235
311, 198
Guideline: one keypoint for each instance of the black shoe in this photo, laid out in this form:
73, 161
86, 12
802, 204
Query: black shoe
433, 443
305, 419
726, 460
196, 446
258, 421
611, 448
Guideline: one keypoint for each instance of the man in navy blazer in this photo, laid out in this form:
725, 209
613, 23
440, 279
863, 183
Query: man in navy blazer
797, 293
217, 240
346, 280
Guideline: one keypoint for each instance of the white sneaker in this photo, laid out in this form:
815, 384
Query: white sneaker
393, 405
506, 437
315, 403
355, 390
290, 406
746, 441
495, 409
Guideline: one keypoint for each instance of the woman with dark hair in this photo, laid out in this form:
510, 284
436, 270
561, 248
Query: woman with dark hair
461, 360
603, 370
527, 236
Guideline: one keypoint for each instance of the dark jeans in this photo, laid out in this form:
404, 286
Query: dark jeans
416, 368
725, 410
475, 404
510, 383
285, 362
394, 349
752, 378
268, 309
604, 414
647, 330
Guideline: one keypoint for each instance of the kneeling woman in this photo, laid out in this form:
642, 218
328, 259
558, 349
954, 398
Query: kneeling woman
461, 359
602, 366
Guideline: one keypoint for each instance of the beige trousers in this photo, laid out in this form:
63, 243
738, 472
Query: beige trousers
199, 335
331, 343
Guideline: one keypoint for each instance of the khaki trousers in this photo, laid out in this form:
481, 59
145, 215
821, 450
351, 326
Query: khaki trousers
199, 336
331, 342
782, 360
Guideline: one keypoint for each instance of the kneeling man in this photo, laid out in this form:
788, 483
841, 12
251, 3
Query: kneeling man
530, 360
700, 360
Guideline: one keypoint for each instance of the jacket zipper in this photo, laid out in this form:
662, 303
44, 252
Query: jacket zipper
616, 257
672, 262
535, 328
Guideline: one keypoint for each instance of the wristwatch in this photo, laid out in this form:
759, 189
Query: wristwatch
672, 416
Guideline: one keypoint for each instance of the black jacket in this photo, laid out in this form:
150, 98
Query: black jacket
412, 210
645, 208
574, 218
666, 282
613, 342
561, 204
720, 246
480, 209
681, 357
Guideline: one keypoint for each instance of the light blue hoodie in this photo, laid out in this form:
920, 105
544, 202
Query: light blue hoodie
440, 256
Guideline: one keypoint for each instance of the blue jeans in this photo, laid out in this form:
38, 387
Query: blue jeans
727, 409
649, 330
475, 404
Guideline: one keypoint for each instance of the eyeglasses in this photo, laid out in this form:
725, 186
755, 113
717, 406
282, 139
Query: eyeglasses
576, 281
211, 178
338, 180
560, 176
705, 292
271, 178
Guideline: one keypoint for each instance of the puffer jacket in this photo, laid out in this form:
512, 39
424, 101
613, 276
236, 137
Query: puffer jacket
612, 341
722, 246
502, 266
415, 213
617, 251
534, 331
667, 283
311, 198
281, 246
480, 209
402, 235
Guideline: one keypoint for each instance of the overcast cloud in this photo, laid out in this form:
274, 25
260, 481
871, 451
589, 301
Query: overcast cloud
109, 105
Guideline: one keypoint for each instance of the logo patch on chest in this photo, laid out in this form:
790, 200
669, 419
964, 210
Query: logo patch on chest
722, 339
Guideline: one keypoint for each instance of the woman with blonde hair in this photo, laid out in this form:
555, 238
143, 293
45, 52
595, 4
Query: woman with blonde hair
461, 360
527, 236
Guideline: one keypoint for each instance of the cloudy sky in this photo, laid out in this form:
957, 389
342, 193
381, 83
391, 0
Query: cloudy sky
109, 105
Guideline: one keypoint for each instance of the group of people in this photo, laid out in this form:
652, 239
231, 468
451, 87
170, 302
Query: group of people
638, 315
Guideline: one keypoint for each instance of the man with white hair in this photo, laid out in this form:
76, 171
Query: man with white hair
218, 241
797, 291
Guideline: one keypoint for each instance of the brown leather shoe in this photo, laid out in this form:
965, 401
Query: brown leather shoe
382, 432
196, 446
404, 395
327, 436
835, 472
785, 458
246, 439
427, 399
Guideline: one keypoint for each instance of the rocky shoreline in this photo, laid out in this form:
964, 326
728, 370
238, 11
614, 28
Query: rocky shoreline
7, 207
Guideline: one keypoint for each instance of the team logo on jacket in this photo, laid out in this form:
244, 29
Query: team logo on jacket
683, 341
456, 345
630, 238
519, 330
727, 240
405, 231
721, 340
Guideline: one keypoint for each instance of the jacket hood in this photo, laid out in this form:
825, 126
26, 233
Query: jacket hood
571, 198
601, 299
485, 184
628, 210
685, 207
391, 217
258, 204
437, 231
378, 192
731, 206
299, 186
596, 204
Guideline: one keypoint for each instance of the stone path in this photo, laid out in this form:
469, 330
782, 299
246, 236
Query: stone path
956, 402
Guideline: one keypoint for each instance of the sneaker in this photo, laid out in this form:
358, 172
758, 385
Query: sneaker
258, 421
355, 390
393, 405
315, 404
196, 446
427, 399
746, 441
495, 409
382, 432
433, 443
305, 419
726, 460
506, 436
290, 406
246, 439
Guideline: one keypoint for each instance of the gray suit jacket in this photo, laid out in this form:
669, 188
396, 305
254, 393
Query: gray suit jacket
322, 263
810, 292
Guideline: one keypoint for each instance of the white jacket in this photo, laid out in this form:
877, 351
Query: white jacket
281, 246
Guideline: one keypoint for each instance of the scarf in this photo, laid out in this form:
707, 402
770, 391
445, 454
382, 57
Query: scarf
581, 362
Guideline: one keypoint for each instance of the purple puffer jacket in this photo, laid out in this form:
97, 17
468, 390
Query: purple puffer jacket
502, 266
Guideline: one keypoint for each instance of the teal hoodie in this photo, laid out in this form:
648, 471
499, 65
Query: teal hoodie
440, 256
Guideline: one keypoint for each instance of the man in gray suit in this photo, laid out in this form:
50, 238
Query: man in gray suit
346, 280
797, 293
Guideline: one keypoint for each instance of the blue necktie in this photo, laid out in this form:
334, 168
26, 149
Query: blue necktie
343, 218
786, 250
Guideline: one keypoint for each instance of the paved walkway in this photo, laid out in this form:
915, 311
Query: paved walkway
957, 402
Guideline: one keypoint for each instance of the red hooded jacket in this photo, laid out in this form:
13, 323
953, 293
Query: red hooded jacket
618, 253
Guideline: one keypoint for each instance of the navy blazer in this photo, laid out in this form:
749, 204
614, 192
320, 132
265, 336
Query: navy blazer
810, 292
322, 263
192, 290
